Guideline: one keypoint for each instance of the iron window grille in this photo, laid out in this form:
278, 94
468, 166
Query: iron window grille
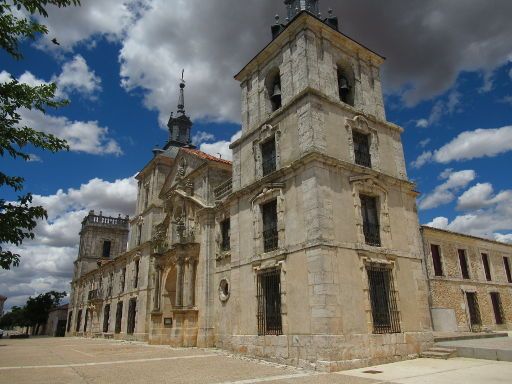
132, 310
106, 317
487, 267
225, 227
497, 307
270, 233
436, 260
506, 263
269, 303
106, 249
119, 317
371, 227
385, 315
463, 264
268, 156
474, 310
78, 320
362, 149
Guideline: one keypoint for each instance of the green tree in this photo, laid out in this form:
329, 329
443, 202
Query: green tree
38, 308
18, 219
14, 318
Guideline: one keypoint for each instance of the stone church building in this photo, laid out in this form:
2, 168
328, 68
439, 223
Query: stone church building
305, 249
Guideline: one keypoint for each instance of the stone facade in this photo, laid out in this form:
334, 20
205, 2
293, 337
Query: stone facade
2, 301
56, 323
448, 288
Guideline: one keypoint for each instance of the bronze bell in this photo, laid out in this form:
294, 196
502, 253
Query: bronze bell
277, 92
343, 84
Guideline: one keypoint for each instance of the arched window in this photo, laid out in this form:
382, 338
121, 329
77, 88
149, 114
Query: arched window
273, 84
346, 85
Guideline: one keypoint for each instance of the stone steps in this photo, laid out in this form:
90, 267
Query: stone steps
439, 353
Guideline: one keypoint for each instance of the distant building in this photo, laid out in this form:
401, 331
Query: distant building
2, 301
56, 324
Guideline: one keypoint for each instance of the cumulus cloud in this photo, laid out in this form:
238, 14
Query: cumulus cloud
76, 76
422, 159
445, 192
441, 108
47, 261
221, 147
202, 137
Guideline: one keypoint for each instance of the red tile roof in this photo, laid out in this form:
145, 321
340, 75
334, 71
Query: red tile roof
206, 156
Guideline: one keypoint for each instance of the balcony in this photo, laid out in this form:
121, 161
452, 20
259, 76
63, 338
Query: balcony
95, 295
372, 234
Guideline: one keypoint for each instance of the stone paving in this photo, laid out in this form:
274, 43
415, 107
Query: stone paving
95, 361
499, 348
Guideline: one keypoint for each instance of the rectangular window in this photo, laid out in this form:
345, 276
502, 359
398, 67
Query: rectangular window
474, 310
86, 321
385, 314
139, 234
119, 316
436, 259
78, 320
123, 279
487, 267
270, 234
132, 310
70, 316
225, 227
371, 226
146, 197
106, 317
268, 156
269, 303
362, 149
136, 274
106, 249
463, 264
110, 284
498, 309
506, 263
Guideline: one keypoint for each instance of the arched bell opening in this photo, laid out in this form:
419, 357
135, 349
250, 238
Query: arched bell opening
346, 84
273, 85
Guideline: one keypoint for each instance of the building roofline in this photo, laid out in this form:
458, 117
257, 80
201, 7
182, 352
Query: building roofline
423, 227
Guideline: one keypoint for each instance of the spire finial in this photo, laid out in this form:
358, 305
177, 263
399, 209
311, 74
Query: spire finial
181, 102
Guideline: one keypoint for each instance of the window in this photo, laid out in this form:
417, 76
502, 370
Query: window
123, 279
106, 249
371, 228
270, 235
132, 310
106, 317
70, 316
362, 149
269, 303
225, 228
498, 309
463, 264
139, 234
345, 89
78, 320
86, 321
136, 274
268, 156
119, 316
146, 197
382, 298
487, 267
474, 310
274, 91
110, 284
506, 263
436, 260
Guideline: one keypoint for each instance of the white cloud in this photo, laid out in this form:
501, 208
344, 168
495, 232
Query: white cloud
220, 147
202, 137
82, 136
422, 123
438, 222
475, 144
503, 238
77, 77
445, 192
488, 82
47, 261
441, 108
33, 158
422, 159
424, 143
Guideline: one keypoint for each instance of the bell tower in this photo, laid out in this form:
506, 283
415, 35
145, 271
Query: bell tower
181, 125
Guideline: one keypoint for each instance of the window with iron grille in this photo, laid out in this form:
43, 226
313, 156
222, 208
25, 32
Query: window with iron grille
474, 309
123, 279
269, 303
132, 311
498, 309
436, 260
136, 274
106, 317
225, 228
268, 156
371, 228
506, 263
106, 249
362, 149
463, 264
78, 320
487, 267
385, 315
119, 316
270, 234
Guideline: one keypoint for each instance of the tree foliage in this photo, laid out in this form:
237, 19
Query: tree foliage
18, 219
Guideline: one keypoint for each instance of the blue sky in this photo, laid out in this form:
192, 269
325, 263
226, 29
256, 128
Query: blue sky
447, 81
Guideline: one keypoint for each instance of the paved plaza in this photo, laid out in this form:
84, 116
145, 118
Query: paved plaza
75, 360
